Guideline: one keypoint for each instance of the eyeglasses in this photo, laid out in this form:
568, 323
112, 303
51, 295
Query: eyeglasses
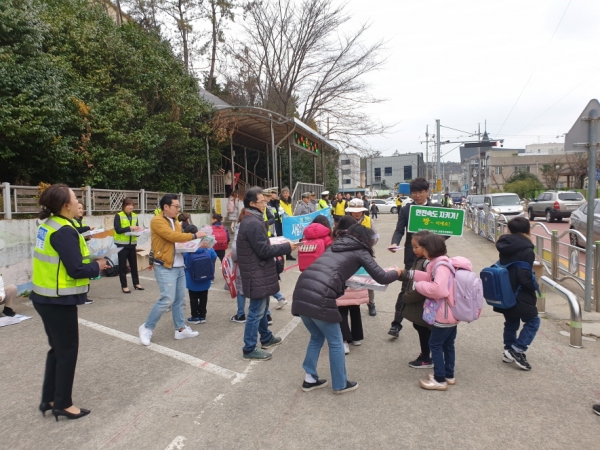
175, 206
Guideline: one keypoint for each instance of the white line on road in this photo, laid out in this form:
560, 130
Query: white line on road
176, 444
183, 357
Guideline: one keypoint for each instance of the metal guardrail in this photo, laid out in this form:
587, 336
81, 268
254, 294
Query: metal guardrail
493, 226
21, 200
576, 323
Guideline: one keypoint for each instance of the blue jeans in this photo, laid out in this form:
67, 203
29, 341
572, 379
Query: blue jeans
256, 322
443, 354
319, 331
526, 336
171, 283
278, 296
241, 304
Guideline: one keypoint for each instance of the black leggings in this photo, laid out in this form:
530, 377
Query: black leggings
355, 322
198, 300
424, 335
62, 329
128, 254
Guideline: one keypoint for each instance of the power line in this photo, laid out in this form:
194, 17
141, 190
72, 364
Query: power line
460, 131
534, 69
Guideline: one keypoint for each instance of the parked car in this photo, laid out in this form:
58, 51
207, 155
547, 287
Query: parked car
436, 198
475, 201
385, 206
507, 204
554, 205
579, 222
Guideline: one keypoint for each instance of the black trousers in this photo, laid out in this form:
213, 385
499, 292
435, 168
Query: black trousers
355, 323
198, 300
128, 254
220, 254
398, 308
424, 335
62, 329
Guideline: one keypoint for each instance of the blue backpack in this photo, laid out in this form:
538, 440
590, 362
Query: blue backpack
201, 267
497, 289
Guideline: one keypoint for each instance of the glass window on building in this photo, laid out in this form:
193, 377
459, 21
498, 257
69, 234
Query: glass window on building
388, 171
346, 171
408, 172
347, 181
345, 162
498, 170
377, 173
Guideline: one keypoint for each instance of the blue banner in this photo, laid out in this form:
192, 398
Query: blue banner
293, 227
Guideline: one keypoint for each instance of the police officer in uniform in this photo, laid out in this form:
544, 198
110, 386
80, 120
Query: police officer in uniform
324, 202
61, 276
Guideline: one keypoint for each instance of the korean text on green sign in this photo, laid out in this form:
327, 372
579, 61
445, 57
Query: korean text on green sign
445, 221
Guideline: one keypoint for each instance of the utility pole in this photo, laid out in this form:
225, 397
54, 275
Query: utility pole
439, 148
427, 152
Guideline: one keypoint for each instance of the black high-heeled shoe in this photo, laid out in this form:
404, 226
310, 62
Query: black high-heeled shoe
138, 288
61, 412
45, 406
128, 291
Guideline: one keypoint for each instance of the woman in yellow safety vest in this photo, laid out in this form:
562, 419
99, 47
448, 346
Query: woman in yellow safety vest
127, 222
61, 276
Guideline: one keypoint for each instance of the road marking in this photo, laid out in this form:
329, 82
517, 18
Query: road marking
176, 444
183, 357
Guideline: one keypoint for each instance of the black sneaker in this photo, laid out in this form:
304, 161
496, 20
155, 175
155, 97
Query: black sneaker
372, 310
350, 386
596, 409
238, 319
421, 363
290, 258
394, 331
519, 359
269, 319
307, 387
8, 312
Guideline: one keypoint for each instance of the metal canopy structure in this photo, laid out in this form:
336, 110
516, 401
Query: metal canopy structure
264, 131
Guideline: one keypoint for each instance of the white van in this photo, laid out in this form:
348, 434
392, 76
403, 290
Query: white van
506, 204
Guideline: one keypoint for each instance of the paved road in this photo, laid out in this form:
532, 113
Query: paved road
199, 393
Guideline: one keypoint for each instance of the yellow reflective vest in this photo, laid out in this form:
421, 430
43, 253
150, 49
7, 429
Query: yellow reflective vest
50, 276
340, 208
287, 208
366, 221
322, 204
122, 239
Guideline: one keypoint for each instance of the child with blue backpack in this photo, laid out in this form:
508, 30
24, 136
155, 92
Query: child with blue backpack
199, 273
513, 247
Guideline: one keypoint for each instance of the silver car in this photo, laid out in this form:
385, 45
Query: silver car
579, 223
554, 205
506, 204
385, 206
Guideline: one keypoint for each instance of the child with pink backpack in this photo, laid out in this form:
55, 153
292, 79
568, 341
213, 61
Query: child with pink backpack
438, 286
316, 239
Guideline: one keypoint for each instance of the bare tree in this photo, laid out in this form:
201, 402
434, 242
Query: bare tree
552, 172
145, 12
577, 165
301, 64
218, 12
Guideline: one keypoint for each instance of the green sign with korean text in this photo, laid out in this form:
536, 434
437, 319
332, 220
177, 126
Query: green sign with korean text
444, 221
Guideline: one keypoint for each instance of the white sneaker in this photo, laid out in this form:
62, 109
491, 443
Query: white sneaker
356, 342
281, 303
145, 334
346, 348
186, 333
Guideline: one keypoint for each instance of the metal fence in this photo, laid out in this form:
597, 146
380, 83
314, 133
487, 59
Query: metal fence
561, 260
301, 188
23, 200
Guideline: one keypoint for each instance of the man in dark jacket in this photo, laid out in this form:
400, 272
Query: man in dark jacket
419, 189
517, 246
256, 261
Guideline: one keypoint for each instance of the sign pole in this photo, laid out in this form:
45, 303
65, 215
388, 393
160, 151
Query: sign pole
592, 187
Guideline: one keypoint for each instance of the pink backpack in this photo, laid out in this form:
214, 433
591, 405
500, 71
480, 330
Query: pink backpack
309, 251
468, 290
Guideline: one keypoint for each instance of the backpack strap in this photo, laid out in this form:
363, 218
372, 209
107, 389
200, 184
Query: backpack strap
449, 266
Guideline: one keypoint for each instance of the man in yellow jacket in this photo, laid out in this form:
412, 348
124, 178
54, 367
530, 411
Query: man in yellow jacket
169, 268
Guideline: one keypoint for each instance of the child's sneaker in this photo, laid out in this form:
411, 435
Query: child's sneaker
202, 320
432, 385
506, 359
346, 348
596, 409
357, 343
238, 319
421, 363
519, 359
281, 303
450, 381
193, 320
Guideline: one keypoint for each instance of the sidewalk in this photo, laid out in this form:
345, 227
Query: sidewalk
199, 393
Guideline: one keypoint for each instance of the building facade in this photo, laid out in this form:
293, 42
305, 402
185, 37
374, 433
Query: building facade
385, 172
550, 148
349, 171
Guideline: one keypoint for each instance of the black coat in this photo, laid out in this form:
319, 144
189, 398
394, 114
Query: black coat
516, 247
401, 227
324, 280
256, 256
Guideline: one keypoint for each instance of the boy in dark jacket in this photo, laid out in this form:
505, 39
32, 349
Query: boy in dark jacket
517, 246
412, 305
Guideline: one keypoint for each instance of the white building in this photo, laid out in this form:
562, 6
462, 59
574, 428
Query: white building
385, 172
550, 148
349, 171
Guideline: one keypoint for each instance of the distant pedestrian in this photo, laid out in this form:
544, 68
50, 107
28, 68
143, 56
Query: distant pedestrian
338, 207
446, 201
374, 211
517, 246
221, 235
234, 206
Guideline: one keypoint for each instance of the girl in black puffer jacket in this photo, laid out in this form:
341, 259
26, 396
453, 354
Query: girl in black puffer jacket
315, 302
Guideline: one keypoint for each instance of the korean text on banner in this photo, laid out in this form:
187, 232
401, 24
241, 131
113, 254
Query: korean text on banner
293, 227
444, 221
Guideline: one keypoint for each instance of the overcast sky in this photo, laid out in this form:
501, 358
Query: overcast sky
467, 61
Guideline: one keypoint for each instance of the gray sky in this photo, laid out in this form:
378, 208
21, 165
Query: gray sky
465, 61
